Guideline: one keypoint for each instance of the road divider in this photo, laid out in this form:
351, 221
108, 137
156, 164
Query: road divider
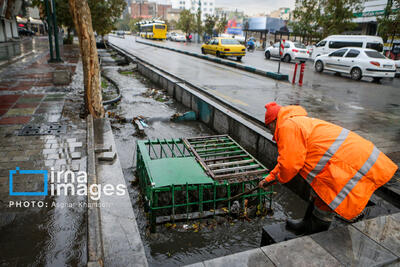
269, 74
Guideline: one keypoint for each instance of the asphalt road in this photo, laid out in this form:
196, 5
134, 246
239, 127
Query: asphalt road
371, 109
257, 59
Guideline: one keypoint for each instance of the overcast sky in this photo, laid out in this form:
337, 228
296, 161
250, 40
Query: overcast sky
251, 7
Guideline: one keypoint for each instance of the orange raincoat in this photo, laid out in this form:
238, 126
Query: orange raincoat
343, 168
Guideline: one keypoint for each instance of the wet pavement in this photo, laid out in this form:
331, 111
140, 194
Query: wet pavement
12, 50
311, 78
45, 229
177, 246
372, 110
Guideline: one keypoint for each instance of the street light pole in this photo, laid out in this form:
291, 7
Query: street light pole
49, 30
52, 22
57, 44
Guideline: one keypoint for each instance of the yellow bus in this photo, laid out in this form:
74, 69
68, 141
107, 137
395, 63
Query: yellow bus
154, 30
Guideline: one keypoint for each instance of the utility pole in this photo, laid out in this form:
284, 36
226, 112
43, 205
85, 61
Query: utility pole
49, 30
52, 26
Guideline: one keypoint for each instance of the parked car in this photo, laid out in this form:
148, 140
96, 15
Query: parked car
358, 62
291, 51
224, 47
178, 37
335, 42
397, 63
25, 32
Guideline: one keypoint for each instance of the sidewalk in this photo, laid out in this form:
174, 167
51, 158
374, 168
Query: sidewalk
33, 234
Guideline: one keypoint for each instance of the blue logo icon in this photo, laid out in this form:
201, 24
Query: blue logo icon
17, 170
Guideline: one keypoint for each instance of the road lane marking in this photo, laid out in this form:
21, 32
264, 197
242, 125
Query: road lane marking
233, 100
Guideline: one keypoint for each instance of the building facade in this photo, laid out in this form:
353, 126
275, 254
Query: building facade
367, 18
207, 6
281, 13
9, 9
173, 14
149, 10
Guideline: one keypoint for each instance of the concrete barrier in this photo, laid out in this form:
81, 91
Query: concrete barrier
273, 75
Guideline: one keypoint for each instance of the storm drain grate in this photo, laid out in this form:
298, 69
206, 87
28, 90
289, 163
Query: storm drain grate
43, 129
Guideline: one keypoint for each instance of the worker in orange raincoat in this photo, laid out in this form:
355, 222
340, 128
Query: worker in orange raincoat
342, 168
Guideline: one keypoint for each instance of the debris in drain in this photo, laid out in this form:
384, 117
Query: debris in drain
158, 95
139, 126
187, 116
118, 118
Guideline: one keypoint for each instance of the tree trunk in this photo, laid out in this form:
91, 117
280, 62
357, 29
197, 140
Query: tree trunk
91, 70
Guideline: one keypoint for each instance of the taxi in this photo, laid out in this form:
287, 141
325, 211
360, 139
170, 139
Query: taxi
224, 47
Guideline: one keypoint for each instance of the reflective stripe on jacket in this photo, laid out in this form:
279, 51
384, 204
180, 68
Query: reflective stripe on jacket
343, 168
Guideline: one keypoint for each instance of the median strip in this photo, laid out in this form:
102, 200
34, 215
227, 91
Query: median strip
273, 75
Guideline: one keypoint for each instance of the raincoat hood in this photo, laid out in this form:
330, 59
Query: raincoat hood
287, 113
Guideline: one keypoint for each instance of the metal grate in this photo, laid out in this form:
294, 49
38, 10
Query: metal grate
224, 159
184, 179
43, 129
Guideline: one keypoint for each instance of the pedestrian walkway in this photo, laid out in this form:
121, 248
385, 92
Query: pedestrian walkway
373, 242
39, 229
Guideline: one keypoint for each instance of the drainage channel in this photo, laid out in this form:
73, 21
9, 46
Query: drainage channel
186, 241
180, 246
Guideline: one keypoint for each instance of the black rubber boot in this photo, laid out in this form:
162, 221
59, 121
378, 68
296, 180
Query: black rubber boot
316, 225
299, 226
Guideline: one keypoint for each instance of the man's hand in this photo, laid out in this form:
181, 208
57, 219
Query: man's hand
263, 183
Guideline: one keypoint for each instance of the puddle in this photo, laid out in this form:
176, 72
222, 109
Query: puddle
183, 243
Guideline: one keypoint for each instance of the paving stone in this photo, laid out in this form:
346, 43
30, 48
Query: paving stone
76, 155
54, 145
103, 148
15, 120
299, 252
28, 99
9, 98
107, 156
49, 151
20, 111
71, 140
61, 77
20, 158
49, 163
76, 144
254, 257
26, 105
385, 230
75, 167
353, 248
53, 156
197, 264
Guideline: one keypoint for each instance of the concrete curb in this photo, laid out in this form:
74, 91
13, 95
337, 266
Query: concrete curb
122, 244
269, 74
95, 246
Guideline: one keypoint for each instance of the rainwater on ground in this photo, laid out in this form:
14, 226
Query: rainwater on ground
185, 242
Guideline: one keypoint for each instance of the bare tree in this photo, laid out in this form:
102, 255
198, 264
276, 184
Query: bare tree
91, 70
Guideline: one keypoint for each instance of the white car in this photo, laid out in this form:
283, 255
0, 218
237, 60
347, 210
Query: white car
292, 51
178, 38
397, 63
358, 62
335, 42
